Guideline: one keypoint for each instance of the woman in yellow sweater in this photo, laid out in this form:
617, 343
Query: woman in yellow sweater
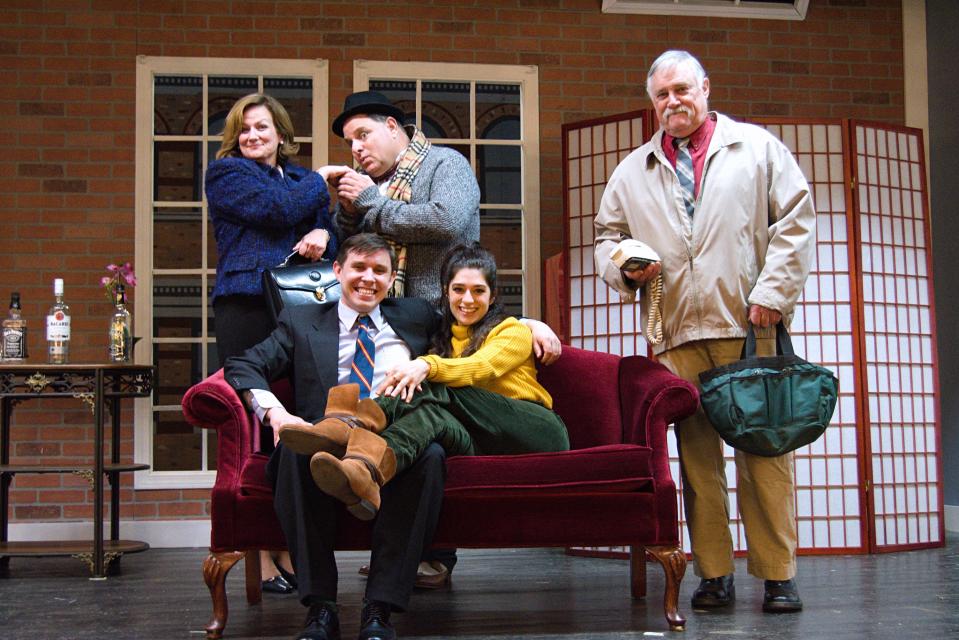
475, 394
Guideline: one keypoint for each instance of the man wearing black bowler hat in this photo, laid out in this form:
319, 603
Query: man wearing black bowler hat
424, 198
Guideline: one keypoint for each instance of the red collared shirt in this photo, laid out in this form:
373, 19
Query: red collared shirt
698, 145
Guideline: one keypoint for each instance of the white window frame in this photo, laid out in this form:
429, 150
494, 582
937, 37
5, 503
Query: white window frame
528, 78
795, 10
147, 68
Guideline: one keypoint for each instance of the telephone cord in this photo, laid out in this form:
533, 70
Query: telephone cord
654, 320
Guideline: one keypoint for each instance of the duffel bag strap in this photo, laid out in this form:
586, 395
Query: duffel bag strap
784, 344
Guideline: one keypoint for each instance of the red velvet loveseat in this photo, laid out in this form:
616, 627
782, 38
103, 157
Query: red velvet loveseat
612, 488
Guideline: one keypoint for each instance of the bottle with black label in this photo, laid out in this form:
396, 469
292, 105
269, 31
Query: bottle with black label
58, 327
121, 334
14, 345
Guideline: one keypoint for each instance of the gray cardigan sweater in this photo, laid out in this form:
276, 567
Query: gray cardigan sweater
443, 211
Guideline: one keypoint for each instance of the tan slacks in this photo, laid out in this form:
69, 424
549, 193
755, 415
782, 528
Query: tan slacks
764, 486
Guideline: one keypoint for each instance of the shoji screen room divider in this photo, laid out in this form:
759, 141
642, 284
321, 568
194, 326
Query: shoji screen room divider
873, 481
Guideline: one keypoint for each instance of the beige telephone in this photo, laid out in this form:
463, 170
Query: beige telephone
629, 255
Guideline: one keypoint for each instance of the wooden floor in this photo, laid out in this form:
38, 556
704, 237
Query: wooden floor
497, 594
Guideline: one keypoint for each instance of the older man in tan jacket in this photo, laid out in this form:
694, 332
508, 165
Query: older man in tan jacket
728, 211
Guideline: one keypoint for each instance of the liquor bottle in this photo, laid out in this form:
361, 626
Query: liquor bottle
58, 327
121, 335
14, 345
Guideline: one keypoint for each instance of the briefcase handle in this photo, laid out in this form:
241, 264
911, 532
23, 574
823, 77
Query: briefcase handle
286, 261
784, 344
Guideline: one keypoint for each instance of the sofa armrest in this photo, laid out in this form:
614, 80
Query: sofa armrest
213, 404
652, 398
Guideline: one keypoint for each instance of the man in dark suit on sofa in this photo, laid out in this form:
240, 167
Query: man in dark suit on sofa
315, 346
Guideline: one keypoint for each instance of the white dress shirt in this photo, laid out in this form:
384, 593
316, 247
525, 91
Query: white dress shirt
390, 352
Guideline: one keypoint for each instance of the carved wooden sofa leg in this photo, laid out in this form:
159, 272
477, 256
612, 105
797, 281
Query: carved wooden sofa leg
215, 568
673, 561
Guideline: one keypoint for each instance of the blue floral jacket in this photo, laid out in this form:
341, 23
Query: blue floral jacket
258, 215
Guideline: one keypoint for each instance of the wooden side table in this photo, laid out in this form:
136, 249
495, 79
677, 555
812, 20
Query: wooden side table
99, 386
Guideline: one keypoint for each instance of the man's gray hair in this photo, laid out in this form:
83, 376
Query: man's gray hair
670, 59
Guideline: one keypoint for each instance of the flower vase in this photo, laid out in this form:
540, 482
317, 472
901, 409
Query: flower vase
121, 330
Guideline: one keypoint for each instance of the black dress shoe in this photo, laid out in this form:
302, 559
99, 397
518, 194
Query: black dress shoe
715, 592
322, 623
781, 596
277, 584
289, 577
375, 621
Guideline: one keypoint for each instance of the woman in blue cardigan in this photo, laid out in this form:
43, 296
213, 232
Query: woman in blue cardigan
263, 207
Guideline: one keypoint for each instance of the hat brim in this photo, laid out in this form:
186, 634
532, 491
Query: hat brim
366, 109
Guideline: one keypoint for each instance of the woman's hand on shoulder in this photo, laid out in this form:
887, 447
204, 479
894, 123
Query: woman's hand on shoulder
404, 380
313, 244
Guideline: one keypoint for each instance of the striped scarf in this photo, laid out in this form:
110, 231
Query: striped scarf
401, 188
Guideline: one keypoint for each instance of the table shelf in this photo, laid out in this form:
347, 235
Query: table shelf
101, 387
46, 468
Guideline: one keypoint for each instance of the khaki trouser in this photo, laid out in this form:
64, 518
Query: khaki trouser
764, 486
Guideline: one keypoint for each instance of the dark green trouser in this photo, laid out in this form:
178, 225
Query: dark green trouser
468, 421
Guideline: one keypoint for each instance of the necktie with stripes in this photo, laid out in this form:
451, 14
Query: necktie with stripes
362, 370
684, 171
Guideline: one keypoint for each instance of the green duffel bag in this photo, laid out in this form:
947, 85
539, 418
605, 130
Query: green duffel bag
769, 406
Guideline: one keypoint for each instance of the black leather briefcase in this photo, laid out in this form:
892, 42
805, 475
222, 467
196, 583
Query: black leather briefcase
296, 281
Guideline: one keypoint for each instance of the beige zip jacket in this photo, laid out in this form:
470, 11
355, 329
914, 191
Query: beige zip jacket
751, 239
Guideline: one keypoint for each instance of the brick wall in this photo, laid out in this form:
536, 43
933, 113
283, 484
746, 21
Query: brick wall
67, 68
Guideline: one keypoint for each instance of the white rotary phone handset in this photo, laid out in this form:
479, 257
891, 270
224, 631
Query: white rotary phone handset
632, 254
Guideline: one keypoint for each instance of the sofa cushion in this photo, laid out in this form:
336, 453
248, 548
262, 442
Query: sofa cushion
607, 469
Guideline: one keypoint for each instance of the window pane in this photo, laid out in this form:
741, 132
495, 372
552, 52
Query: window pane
177, 105
511, 293
296, 95
210, 324
500, 175
464, 149
176, 306
222, 92
212, 147
446, 109
176, 444
501, 231
211, 254
178, 368
304, 156
213, 359
402, 93
497, 111
177, 174
177, 237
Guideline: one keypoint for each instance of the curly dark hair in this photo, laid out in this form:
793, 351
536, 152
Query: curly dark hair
461, 257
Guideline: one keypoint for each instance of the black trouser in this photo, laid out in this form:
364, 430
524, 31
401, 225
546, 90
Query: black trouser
239, 321
402, 530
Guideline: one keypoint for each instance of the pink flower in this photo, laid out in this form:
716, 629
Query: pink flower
118, 271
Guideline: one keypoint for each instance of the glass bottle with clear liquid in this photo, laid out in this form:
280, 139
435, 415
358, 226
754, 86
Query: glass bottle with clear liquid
121, 329
14, 345
58, 327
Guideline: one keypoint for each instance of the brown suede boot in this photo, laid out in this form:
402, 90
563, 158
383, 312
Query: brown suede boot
370, 415
333, 430
368, 464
